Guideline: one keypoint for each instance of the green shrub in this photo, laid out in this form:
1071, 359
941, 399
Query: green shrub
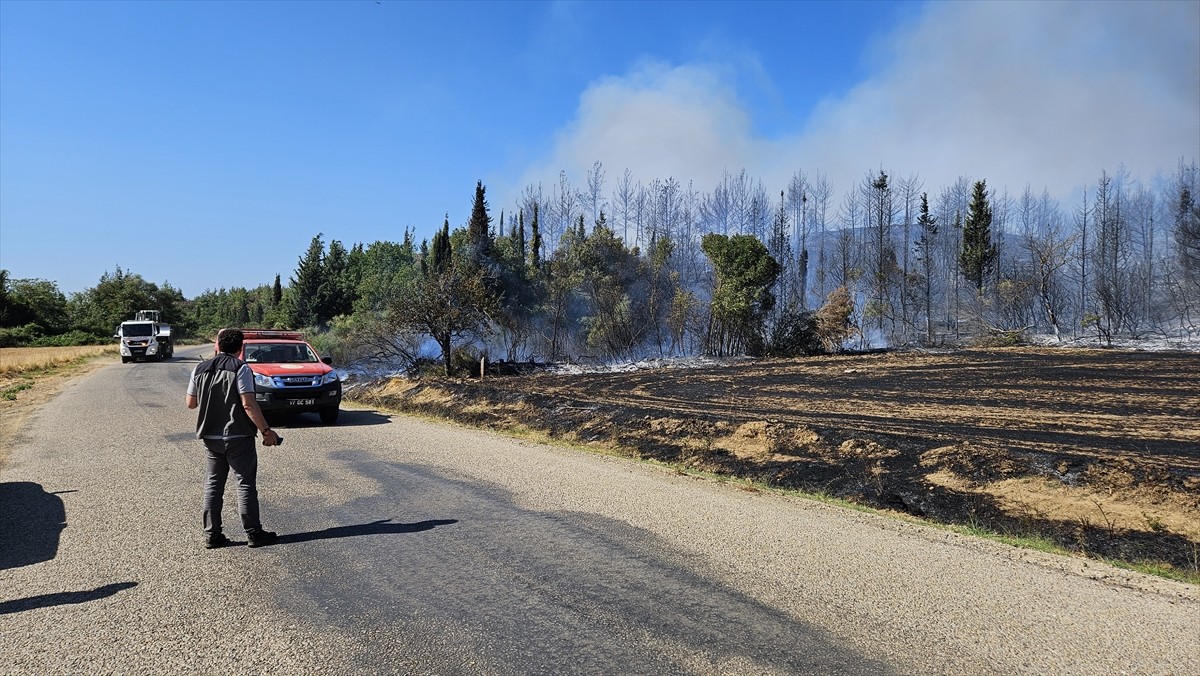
326, 343
19, 336
69, 339
464, 362
795, 335
1014, 338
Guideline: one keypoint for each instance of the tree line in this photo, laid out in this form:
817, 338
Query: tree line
35, 312
660, 268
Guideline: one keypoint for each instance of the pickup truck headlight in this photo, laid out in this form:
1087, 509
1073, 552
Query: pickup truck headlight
263, 381
331, 377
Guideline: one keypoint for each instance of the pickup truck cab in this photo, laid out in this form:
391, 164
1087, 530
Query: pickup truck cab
289, 375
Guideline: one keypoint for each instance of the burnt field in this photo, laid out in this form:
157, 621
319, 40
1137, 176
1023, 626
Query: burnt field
1097, 451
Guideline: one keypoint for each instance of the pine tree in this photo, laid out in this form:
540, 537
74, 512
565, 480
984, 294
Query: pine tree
356, 265
927, 226
780, 249
884, 263
978, 251
1187, 236
305, 286
335, 289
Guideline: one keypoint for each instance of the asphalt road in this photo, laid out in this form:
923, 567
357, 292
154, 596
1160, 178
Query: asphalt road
417, 548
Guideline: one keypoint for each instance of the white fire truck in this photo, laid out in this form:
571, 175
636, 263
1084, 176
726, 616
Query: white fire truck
145, 337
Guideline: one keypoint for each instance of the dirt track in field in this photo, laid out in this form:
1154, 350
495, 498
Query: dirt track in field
1096, 450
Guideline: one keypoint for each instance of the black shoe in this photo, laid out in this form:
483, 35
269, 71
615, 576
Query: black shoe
216, 540
261, 538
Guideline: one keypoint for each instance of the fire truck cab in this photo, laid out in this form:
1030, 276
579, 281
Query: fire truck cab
289, 375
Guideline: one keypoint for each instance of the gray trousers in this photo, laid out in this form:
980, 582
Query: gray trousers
240, 456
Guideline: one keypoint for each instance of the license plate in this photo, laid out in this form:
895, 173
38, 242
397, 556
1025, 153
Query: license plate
301, 402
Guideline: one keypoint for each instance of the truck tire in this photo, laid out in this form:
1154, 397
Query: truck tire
329, 415
124, 360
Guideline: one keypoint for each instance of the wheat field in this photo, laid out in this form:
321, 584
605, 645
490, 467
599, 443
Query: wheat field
14, 360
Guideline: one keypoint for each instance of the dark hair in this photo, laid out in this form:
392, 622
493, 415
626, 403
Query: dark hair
230, 341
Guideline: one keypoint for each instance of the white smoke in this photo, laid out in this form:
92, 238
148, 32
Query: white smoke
1046, 94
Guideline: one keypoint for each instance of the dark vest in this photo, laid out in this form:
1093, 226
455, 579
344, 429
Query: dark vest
221, 411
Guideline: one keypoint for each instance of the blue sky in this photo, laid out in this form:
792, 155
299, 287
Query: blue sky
205, 143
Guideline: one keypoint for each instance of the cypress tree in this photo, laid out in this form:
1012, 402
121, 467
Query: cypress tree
479, 234
440, 255
520, 238
535, 241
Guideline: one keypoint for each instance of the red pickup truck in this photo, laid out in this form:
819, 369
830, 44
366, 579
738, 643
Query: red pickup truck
289, 375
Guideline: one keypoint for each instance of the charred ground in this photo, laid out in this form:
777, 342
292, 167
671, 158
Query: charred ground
1098, 451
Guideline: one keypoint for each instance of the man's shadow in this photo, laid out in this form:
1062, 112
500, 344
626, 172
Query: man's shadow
63, 598
380, 527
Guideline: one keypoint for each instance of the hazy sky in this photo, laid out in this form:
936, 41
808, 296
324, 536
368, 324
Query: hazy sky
205, 143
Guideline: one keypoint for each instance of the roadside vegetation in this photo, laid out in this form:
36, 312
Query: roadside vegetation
20, 361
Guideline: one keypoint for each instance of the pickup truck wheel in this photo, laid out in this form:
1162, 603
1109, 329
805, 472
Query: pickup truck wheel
329, 415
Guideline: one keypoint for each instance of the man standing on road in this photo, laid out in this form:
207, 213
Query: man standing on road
223, 389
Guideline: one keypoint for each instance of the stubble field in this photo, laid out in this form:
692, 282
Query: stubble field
1095, 451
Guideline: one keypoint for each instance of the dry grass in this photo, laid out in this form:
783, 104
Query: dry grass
18, 360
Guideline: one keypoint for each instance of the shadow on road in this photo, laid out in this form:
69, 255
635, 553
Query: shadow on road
293, 421
63, 598
347, 418
551, 591
30, 522
381, 527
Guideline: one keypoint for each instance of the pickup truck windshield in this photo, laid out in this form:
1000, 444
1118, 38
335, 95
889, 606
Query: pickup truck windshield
278, 353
